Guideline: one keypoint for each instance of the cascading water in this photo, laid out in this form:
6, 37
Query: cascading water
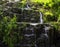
34, 24
41, 18
46, 31
44, 35
46, 28
27, 4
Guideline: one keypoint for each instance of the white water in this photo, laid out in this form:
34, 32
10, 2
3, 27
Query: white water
27, 3
34, 24
46, 31
41, 18
27, 6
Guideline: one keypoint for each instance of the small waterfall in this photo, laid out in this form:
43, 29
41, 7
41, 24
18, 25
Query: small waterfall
46, 31
27, 4
41, 18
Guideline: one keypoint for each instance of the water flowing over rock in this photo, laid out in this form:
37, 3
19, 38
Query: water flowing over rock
35, 33
41, 18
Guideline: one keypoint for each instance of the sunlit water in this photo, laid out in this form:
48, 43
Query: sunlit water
41, 18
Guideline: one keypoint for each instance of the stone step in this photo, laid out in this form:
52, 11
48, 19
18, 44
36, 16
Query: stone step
28, 32
29, 38
28, 35
24, 45
31, 45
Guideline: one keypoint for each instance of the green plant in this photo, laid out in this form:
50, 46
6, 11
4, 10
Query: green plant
6, 27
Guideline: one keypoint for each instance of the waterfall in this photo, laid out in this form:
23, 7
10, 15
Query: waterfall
27, 4
46, 31
41, 18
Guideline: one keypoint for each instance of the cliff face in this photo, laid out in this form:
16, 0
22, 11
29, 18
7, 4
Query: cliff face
23, 15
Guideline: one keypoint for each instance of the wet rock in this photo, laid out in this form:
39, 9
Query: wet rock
22, 15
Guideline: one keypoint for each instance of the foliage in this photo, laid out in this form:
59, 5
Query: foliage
6, 26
